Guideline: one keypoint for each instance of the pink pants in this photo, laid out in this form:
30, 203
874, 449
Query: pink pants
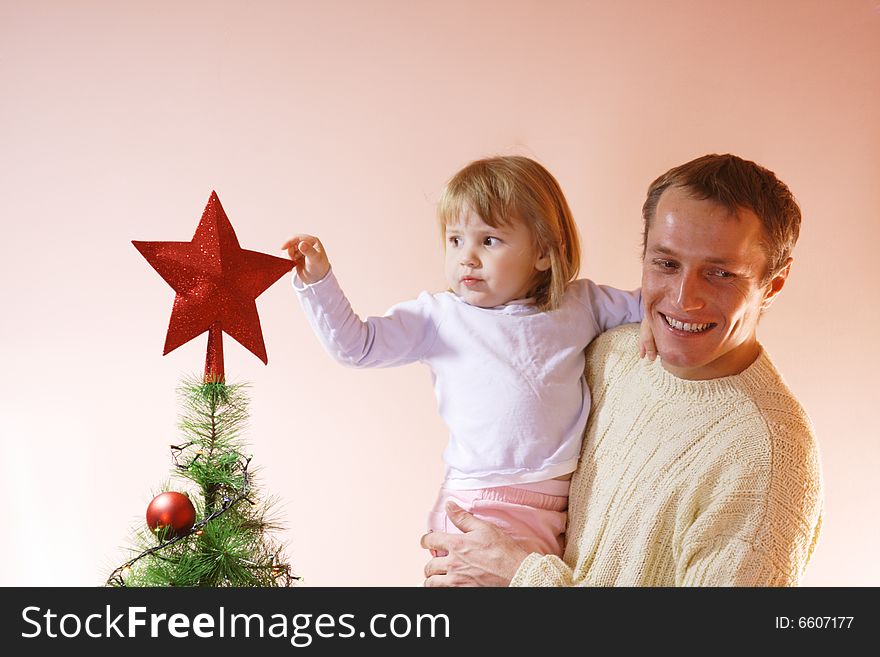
533, 514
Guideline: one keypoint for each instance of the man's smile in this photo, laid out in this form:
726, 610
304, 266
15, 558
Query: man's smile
687, 327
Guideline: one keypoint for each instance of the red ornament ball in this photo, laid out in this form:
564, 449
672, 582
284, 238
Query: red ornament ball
172, 510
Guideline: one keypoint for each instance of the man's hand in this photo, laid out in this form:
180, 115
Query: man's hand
482, 556
309, 256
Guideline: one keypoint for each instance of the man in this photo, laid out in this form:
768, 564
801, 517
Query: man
699, 468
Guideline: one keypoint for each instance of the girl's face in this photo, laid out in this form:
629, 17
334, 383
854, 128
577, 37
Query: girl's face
489, 266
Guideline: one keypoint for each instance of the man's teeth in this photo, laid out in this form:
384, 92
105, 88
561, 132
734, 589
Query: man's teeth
684, 326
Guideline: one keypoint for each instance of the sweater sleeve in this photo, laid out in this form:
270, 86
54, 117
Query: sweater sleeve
755, 520
543, 570
403, 335
612, 307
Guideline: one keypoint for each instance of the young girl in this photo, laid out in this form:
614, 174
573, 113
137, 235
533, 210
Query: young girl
505, 343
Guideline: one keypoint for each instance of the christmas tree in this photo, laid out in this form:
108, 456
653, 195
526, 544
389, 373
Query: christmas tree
219, 534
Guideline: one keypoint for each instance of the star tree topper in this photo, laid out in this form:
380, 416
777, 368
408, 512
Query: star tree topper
217, 283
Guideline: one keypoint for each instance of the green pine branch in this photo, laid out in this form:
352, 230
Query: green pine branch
231, 543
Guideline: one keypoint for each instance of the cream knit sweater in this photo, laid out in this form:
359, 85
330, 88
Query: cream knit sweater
686, 483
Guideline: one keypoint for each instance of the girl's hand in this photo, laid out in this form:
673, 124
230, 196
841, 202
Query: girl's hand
646, 341
308, 256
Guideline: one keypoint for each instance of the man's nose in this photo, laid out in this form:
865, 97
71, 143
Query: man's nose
690, 293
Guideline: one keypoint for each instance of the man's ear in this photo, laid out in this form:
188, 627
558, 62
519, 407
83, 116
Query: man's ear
775, 285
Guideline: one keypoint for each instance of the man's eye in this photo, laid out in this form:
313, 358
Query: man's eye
721, 273
664, 264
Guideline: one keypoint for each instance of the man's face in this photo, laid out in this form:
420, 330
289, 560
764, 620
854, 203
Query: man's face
489, 266
701, 285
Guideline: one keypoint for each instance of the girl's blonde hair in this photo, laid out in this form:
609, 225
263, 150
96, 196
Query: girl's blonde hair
502, 190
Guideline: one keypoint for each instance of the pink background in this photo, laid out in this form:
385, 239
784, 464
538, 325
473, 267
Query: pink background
344, 119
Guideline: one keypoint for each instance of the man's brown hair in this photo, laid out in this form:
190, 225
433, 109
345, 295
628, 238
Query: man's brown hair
736, 183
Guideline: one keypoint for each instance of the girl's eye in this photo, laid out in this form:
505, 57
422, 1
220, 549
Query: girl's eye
491, 241
454, 240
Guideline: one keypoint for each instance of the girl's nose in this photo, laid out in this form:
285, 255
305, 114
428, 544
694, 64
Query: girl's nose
468, 258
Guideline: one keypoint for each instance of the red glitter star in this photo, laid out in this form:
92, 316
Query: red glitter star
216, 282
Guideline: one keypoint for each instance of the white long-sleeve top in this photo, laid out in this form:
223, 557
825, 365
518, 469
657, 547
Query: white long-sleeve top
509, 380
